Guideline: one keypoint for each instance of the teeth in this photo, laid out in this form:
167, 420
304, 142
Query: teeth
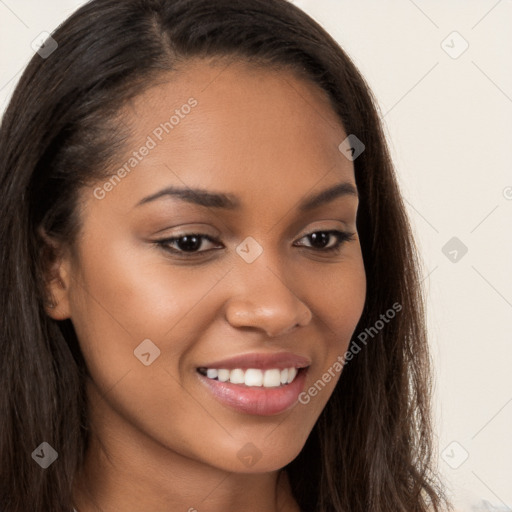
211, 373
272, 378
237, 377
292, 372
223, 375
254, 377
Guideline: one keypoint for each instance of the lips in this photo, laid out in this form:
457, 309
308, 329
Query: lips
259, 384
280, 360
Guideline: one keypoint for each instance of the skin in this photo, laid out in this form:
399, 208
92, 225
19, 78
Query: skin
160, 441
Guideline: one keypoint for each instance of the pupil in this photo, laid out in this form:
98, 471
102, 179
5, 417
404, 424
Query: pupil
189, 243
320, 236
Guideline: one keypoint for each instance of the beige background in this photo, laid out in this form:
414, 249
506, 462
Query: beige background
448, 116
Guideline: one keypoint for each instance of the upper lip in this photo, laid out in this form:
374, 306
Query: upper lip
263, 361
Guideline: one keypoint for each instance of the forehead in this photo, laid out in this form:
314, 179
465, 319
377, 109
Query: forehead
236, 127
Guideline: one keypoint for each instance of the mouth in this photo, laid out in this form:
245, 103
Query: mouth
253, 377
258, 384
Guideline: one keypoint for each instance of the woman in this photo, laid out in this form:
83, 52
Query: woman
210, 290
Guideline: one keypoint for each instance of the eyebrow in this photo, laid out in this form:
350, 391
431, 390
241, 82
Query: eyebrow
228, 201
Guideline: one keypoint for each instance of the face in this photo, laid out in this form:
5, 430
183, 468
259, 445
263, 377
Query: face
249, 279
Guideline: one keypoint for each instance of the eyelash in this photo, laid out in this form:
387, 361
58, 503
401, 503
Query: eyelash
342, 237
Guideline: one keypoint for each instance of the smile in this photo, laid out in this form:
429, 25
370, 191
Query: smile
252, 377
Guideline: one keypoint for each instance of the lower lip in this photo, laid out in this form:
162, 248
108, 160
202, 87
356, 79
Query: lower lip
257, 400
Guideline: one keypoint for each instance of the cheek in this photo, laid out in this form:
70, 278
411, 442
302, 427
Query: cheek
125, 297
339, 304
339, 298
119, 305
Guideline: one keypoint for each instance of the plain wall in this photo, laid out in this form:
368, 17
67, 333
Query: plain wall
449, 122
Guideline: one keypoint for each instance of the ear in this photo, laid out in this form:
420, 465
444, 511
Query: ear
56, 266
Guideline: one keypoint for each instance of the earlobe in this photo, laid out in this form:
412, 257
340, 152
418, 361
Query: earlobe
57, 303
56, 271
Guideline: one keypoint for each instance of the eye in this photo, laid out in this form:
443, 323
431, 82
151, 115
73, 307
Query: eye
191, 243
187, 243
322, 240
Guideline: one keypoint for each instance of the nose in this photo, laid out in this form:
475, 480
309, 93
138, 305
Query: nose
266, 303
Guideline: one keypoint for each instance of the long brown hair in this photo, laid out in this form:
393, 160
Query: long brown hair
371, 449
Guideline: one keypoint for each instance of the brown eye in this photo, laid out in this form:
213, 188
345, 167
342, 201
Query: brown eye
320, 240
188, 243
